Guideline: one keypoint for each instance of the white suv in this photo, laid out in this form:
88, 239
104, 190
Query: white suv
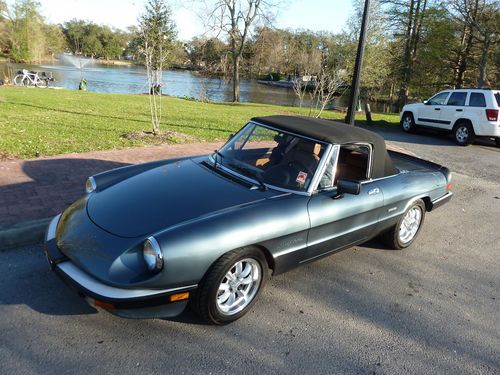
467, 113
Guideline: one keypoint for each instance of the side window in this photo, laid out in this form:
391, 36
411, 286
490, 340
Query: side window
438, 99
326, 181
457, 98
353, 163
477, 100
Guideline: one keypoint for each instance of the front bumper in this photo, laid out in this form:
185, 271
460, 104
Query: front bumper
127, 303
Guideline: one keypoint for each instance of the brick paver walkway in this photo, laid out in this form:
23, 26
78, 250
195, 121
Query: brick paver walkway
40, 188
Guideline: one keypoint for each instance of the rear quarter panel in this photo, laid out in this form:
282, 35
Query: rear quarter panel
402, 190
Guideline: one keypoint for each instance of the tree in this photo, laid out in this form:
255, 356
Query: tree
236, 18
407, 22
25, 27
375, 76
480, 18
4, 32
157, 34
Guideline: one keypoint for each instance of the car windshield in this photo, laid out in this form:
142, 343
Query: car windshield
272, 157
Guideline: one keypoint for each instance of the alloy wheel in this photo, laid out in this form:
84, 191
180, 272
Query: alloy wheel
239, 286
462, 134
410, 224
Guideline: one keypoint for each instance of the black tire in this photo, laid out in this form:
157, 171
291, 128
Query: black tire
463, 133
408, 122
204, 301
392, 237
497, 142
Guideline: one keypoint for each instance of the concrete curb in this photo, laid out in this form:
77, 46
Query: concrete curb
22, 234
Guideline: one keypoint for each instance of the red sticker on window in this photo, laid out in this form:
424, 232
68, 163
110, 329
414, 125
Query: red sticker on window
301, 178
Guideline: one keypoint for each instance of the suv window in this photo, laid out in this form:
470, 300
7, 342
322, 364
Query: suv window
438, 99
477, 100
497, 97
457, 98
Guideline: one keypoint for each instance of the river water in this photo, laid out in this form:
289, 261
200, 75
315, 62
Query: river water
180, 83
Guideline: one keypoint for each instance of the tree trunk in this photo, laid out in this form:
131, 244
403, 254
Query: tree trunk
481, 82
406, 71
463, 56
236, 78
466, 45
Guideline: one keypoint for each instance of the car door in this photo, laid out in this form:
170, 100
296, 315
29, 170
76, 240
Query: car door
453, 109
338, 222
429, 114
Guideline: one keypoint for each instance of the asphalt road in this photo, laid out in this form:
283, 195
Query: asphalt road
431, 309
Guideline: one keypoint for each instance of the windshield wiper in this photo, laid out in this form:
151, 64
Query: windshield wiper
217, 153
250, 173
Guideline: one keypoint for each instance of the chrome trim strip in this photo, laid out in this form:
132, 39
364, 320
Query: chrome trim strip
106, 291
446, 196
51, 229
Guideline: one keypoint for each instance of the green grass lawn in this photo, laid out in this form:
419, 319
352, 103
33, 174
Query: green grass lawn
40, 122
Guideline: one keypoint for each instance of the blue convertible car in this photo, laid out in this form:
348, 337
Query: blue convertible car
149, 239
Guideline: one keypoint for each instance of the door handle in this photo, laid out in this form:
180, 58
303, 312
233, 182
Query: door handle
374, 191
459, 110
437, 109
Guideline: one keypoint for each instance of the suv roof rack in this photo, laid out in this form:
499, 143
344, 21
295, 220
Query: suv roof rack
474, 88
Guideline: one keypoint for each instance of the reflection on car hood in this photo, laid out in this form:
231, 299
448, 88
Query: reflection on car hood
165, 196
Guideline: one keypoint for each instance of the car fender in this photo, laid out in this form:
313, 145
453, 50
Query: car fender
190, 248
412, 108
463, 117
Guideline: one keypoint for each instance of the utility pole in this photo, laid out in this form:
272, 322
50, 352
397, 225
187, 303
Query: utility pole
353, 99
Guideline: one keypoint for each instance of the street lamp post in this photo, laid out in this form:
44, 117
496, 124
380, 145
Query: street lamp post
353, 99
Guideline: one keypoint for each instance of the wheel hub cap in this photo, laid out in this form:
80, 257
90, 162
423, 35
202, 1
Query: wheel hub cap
239, 286
407, 123
410, 224
462, 133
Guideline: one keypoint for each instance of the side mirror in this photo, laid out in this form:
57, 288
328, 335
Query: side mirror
426, 102
347, 187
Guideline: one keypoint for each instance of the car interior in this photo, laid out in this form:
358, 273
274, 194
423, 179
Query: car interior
353, 163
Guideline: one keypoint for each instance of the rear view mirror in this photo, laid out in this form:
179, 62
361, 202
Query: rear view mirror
347, 187
426, 102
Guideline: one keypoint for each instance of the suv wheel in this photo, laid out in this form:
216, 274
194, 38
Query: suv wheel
497, 142
408, 123
463, 133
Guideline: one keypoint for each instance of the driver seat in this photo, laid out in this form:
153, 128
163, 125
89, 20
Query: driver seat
305, 153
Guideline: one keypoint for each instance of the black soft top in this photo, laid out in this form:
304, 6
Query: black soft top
336, 133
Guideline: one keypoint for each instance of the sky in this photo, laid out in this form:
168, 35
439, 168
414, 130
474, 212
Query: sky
316, 15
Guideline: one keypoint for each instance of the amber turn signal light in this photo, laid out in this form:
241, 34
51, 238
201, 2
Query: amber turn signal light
104, 305
179, 297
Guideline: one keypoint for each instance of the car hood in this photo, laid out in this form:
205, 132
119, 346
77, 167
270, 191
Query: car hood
165, 196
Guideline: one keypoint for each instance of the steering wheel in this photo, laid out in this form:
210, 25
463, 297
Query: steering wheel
298, 166
284, 174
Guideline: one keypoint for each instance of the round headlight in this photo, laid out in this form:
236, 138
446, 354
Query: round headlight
90, 185
152, 254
